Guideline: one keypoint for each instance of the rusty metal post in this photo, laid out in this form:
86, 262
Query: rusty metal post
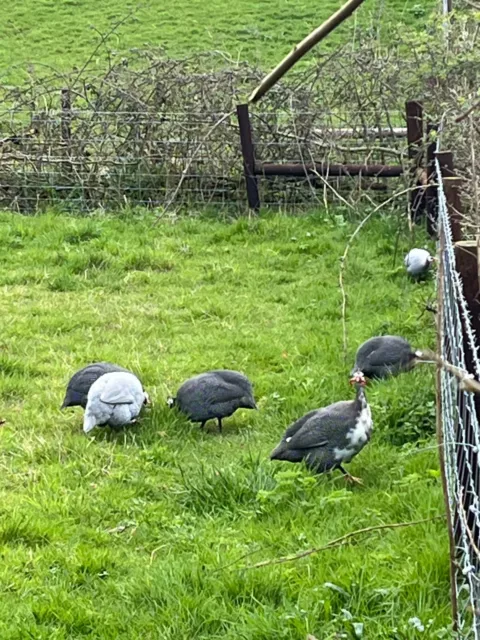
248, 156
325, 169
452, 192
431, 195
66, 126
414, 114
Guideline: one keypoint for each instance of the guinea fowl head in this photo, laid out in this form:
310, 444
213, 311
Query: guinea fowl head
358, 379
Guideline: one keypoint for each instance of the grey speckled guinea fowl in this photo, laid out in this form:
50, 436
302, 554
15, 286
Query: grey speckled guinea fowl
328, 438
384, 356
80, 383
214, 395
115, 399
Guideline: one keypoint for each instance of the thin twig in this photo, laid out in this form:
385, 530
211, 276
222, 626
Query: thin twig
465, 115
467, 381
467, 528
192, 157
344, 258
342, 540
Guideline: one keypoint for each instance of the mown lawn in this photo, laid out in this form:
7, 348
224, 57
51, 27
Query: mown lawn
145, 533
64, 33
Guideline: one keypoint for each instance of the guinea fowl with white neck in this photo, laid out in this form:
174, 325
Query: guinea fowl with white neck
325, 439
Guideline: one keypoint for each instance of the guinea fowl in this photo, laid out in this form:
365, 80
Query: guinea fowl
417, 262
385, 356
115, 399
214, 395
329, 437
80, 383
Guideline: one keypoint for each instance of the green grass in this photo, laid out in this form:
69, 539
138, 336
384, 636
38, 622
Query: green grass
141, 534
60, 33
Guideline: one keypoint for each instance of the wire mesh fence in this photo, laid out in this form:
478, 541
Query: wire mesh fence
460, 432
88, 158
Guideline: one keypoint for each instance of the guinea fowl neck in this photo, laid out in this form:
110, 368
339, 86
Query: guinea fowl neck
360, 398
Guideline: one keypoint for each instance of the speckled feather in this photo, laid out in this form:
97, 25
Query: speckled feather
326, 438
80, 383
383, 356
215, 394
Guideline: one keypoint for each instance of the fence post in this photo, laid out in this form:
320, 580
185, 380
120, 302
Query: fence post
431, 195
248, 153
452, 193
440, 439
414, 112
66, 127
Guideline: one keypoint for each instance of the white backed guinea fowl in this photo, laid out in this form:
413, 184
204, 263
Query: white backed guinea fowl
418, 262
80, 383
384, 356
115, 399
214, 395
327, 438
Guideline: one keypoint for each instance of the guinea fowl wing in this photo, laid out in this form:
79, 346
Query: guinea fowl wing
323, 426
234, 377
386, 354
223, 391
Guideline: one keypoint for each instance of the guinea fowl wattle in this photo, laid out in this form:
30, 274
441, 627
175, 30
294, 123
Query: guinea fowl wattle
81, 381
325, 439
384, 356
214, 395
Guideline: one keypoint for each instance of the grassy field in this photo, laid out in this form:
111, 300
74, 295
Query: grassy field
60, 33
145, 533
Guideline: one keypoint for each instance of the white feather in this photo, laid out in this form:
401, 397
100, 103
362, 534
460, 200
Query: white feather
115, 399
417, 261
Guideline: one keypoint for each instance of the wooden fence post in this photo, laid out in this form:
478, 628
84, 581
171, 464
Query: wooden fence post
414, 113
452, 192
248, 153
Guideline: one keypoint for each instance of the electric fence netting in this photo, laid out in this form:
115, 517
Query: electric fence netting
459, 429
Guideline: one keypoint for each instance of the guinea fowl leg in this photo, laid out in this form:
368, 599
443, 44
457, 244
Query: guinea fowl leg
203, 424
348, 476
220, 425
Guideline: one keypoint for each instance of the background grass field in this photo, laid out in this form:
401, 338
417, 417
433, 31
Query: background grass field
60, 33
127, 535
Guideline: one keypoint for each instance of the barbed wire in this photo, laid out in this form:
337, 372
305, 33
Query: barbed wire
461, 432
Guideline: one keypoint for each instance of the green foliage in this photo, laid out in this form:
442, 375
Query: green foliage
143, 533
64, 34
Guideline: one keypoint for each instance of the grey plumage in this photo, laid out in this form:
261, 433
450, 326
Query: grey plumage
417, 262
114, 399
80, 383
214, 395
329, 437
384, 356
